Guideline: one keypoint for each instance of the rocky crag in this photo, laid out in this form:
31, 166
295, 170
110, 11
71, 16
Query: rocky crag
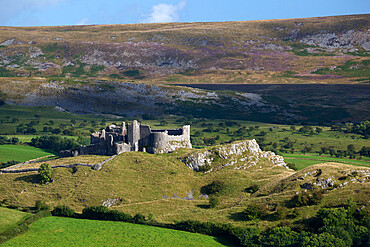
240, 155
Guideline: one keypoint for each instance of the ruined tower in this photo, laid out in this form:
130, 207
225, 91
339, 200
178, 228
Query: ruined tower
135, 137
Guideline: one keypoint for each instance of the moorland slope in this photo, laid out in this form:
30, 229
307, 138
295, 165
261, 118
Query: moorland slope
323, 49
100, 68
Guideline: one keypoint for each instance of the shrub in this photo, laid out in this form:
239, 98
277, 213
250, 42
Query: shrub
9, 163
213, 201
252, 189
45, 173
139, 218
214, 187
118, 216
163, 122
306, 198
39, 205
292, 166
254, 211
344, 224
63, 211
281, 213
95, 212
246, 236
131, 73
279, 236
207, 228
23, 227
317, 196
204, 168
323, 239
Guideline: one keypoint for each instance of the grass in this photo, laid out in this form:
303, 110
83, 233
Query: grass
141, 180
21, 153
273, 137
42, 115
77, 232
10, 218
349, 69
302, 161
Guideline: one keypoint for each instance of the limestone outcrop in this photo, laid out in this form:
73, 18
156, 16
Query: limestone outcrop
242, 154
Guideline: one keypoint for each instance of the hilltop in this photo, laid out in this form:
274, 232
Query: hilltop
309, 50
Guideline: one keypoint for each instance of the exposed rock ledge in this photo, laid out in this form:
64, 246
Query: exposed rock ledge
244, 154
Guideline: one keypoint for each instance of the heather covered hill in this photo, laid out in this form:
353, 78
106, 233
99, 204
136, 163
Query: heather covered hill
121, 69
325, 49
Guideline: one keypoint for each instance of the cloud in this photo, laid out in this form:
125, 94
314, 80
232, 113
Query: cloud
84, 21
15, 8
165, 12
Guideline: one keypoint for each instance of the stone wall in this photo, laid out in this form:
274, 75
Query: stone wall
134, 137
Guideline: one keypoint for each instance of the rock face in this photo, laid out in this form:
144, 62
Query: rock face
244, 154
349, 39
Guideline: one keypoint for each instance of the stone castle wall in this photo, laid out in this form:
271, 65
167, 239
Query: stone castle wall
134, 137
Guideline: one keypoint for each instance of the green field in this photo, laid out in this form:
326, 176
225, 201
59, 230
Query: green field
13, 116
55, 231
10, 218
301, 161
21, 153
276, 137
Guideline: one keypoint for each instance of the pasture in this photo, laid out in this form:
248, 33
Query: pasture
10, 218
21, 153
58, 231
301, 161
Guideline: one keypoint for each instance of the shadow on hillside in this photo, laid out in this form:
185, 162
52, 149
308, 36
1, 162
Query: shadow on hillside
204, 206
225, 241
33, 179
237, 216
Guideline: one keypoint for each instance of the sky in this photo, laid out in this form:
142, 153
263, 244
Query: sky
86, 12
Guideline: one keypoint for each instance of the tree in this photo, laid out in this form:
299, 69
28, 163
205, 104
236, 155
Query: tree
254, 211
45, 173
365, 151
214, 187
63, 211
163, 122
41, 206
56, 131
351, 148
280, 236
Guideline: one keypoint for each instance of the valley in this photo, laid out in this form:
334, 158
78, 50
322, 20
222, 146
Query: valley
279, 127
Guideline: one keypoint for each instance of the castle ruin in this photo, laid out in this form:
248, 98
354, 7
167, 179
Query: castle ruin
134, 137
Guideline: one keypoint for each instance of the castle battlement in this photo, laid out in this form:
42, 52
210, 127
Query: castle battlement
134, 137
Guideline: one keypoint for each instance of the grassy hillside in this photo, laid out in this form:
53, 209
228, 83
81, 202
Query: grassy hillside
139, 181
10, 218
77, 232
